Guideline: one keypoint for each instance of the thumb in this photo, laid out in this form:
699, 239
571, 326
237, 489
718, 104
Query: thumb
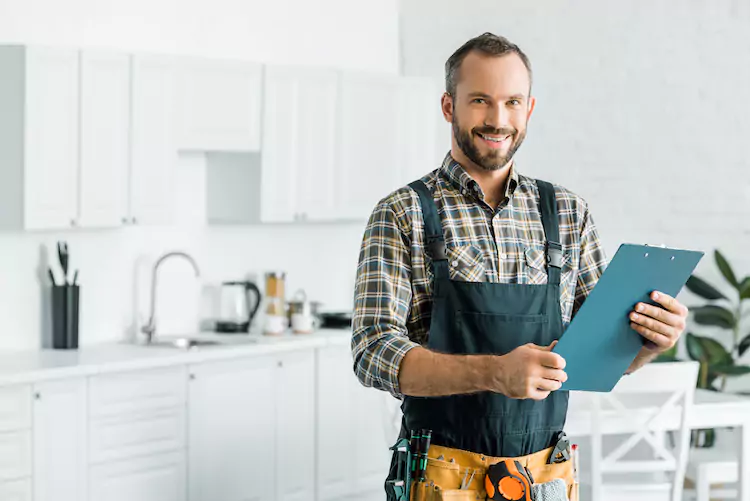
543, 348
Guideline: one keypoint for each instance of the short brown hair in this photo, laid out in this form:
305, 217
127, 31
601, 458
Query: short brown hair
486, 43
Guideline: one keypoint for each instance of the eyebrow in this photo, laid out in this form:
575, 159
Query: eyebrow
520, 97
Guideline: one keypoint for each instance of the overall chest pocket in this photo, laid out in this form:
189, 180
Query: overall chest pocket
466, 263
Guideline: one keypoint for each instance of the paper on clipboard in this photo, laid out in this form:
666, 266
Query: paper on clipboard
599, 344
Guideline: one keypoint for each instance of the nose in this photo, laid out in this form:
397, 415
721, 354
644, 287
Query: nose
497, 117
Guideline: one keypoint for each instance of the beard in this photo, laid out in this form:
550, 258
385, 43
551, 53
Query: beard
494, 159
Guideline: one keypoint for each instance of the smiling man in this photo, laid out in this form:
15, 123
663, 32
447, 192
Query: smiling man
468, 276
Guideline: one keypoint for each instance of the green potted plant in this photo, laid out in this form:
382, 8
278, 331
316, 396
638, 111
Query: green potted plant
717, 363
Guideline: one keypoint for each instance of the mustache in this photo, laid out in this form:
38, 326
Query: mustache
497, 132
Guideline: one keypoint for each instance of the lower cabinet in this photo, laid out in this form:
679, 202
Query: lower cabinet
16, 490
355, 427
293, 426
231, 431
252, 430
158, 477
60, 440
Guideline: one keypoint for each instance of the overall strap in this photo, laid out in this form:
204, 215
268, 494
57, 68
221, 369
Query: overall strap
433, 229
548, 210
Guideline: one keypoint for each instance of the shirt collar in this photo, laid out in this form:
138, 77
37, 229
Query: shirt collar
462, 181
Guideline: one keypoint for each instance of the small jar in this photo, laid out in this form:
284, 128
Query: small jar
275, 320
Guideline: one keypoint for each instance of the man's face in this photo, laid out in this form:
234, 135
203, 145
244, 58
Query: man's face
490, 108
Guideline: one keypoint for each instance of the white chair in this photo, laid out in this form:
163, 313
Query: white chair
716, 465
637, 413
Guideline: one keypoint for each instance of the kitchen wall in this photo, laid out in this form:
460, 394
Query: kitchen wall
115, 264
642, 109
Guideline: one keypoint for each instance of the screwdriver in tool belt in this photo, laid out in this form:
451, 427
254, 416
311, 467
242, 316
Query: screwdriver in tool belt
423, 450
414, 450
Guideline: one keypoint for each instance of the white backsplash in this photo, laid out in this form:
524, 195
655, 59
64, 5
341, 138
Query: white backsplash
115, 268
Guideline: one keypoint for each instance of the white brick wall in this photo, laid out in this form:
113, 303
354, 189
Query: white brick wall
643, 108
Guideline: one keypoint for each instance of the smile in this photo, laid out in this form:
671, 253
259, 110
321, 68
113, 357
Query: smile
494, 141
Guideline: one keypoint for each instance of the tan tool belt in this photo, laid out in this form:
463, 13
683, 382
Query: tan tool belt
450, 469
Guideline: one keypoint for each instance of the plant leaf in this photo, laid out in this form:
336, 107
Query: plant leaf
694, 348
729, 370
703, 289
713, 352
725, 269
745, 288
714, 315
744, 345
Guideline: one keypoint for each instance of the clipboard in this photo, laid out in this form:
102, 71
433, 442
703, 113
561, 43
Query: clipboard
599, 345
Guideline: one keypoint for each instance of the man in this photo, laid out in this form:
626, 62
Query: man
468, 277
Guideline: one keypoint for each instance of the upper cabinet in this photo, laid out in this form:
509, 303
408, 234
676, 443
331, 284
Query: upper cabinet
298, 155
39, 135
153, 154
85, 139
218, 105
105, 130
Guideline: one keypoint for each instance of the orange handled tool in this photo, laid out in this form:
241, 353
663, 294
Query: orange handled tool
509, 480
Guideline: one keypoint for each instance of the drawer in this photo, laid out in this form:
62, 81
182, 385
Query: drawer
161, 477
139, 435
134, 392
15, 408
15, 455
17, 490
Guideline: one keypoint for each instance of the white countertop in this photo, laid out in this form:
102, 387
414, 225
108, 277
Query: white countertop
40, 365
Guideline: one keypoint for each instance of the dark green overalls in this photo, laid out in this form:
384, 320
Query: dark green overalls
490, 318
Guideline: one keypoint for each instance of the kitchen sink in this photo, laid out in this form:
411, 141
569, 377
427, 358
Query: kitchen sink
189, 342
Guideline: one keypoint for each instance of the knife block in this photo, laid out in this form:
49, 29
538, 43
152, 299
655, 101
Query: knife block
65, 316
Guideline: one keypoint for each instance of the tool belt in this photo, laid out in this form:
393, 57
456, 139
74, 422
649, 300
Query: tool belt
454, 474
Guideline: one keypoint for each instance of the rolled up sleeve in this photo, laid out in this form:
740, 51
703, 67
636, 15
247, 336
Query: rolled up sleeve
382, 299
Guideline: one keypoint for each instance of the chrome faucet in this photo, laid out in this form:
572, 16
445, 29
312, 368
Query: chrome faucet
150, 328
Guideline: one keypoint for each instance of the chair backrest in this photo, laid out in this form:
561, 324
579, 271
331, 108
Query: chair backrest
641, 409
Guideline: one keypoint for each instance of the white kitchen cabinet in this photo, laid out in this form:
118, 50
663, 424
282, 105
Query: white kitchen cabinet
60, 427
354, 429
219, 105
368, 142
231, 430
295, 426
299, 144
16, 490
153, 154
335, 433
105, 141
418, 105
39, 138
158, 477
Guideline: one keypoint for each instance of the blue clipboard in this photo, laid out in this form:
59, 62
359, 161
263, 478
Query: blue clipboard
599, 345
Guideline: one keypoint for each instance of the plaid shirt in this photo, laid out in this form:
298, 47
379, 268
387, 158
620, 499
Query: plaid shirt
393, 302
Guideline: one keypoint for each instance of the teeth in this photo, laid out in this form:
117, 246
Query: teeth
494, 139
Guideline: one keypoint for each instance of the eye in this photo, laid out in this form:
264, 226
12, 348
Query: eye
515, 102
478, 100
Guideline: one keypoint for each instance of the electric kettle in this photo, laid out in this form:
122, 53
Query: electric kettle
237, 307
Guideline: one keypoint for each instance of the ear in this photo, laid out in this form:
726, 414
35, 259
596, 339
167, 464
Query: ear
532, 105
446, 103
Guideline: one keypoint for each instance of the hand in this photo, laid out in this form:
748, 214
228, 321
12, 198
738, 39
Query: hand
529, 371
661, 328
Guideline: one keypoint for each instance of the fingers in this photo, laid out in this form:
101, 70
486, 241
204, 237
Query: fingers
552, 360
660, 325
669, 303
547, 385
662, 341
554, 375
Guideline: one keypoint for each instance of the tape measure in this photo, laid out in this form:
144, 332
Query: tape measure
509, 480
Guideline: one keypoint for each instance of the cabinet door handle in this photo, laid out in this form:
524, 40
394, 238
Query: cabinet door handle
134, 221
280, 363
192, 377
125, 220
73, 222
37, 395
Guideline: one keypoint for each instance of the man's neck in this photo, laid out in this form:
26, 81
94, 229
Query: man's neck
492, 182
